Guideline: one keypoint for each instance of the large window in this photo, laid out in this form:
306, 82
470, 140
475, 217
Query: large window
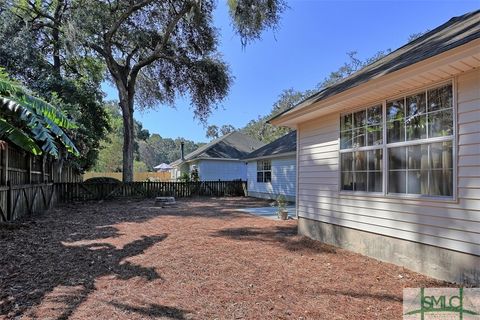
361, 140
264, 171
412, 139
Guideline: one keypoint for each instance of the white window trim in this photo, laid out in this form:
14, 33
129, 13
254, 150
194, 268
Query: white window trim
263, 171
385, 194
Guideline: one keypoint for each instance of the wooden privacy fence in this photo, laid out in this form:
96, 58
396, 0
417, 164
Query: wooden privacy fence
21, 168
20, 200
137, 176
102, 191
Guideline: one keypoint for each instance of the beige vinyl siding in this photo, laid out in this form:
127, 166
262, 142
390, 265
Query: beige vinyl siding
453, 224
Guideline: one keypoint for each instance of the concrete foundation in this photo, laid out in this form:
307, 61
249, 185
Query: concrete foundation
263, 195
436, 262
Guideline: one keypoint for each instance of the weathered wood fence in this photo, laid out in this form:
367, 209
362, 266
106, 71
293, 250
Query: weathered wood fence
21, 168
102, 191
19, 200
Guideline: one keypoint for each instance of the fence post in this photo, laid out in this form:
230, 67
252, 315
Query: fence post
4, 177
29, 168
9, 201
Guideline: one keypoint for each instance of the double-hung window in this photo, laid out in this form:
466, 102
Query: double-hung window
404, 146
361, 140
264, 171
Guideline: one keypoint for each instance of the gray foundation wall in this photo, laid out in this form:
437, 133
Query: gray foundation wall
436, 262
263, 195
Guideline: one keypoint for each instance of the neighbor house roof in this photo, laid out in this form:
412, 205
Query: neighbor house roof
283, 145
234, 145
452, 34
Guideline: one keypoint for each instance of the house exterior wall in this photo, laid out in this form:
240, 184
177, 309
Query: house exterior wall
452, 227
283, 179
225, 170
176, 172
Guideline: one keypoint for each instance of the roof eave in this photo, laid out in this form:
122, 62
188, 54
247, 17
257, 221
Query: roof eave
271, 156
383, 85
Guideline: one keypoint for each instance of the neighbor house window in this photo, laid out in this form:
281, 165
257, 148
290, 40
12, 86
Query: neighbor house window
418, 147
264, 171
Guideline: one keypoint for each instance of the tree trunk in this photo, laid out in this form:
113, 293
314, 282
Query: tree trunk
126, 104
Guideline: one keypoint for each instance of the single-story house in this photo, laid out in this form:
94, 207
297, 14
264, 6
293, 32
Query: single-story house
219, 159
389, 158
271, 170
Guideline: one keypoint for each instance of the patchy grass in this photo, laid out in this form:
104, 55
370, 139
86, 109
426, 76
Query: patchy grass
200, 260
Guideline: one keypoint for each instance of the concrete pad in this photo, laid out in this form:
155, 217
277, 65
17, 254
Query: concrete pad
270, 212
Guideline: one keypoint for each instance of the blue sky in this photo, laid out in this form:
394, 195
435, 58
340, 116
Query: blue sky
312, 41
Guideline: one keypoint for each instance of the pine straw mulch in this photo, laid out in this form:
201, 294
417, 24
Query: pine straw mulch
200, 260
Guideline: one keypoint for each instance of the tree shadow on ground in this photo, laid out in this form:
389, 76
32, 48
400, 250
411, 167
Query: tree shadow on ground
152, 310
42, 264
43, 257
284, 236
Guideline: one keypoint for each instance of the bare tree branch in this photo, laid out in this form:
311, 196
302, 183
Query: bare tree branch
157, 53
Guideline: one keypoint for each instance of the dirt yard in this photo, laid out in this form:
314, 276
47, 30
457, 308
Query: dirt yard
200, 260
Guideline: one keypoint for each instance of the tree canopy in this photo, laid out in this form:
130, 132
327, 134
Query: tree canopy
34, 50
157, 50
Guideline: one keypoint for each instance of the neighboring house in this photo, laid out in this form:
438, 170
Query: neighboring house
389, 158
219, 159
271, 170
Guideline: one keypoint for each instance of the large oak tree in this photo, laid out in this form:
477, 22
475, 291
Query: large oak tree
155, 50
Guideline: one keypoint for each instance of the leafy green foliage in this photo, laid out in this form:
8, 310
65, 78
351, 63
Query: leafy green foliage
37, 122
33, 49
151, 149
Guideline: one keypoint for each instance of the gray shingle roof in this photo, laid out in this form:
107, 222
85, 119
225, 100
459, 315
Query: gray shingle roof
455, 32
285, 144
234, 145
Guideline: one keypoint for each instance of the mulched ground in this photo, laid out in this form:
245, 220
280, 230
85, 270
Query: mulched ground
201, 260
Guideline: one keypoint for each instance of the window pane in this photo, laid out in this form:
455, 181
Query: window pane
375, 160
345, 139
417, 157
417, 182
360, 181
267, 165
440, 124
397, 181
268, 176
359, 119
259, 176
397, 158
440, 98
346, 161
441, 182
347, 180
375, 182
395, 131
416, 127
360, 161
374, 115
416, 105
395, 110
374, 135
358, 138
259, 165
346, 122
441, 155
